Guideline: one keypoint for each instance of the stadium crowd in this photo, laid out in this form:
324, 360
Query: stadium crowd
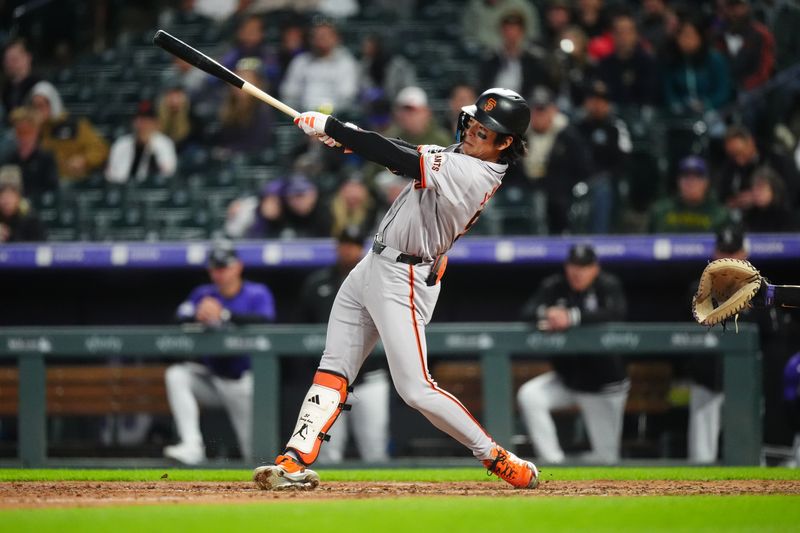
652, 116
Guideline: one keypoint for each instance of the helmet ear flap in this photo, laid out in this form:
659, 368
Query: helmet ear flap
461, 125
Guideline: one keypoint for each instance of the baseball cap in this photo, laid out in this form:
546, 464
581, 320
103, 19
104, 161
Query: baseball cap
299, 184
582, 255
273, 188
730, 239
145, 108
353, 234
411, 97
11, 177
222, 254
541, 97
513, 17
598, 89
693, 165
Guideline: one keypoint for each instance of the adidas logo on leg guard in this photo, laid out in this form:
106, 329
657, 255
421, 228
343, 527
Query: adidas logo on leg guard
285, 474
320, 409
507, 466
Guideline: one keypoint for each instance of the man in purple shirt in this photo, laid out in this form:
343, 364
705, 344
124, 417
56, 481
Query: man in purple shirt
217, 381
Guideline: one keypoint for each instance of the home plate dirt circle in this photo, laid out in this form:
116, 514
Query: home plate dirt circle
32, 494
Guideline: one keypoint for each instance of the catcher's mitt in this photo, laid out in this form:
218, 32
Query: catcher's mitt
726, 287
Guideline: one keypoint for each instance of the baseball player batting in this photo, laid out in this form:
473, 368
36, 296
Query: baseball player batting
392, 292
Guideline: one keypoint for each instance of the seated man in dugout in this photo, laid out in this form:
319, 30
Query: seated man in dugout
598, 386
217, 381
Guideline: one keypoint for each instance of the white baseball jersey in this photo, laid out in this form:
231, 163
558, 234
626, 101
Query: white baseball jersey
431, 213
386, 299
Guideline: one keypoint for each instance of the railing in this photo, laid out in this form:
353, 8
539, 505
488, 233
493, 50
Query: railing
494, 344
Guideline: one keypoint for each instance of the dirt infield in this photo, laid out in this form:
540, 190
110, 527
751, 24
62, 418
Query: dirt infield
15, 495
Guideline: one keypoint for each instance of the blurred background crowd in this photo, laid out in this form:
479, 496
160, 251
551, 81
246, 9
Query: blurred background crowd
647, 116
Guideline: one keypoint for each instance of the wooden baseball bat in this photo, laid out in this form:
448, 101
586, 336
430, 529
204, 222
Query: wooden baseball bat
195, 57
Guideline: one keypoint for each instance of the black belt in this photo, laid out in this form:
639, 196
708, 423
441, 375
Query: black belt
378, 248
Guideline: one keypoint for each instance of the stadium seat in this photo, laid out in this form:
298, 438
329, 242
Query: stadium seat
517, 211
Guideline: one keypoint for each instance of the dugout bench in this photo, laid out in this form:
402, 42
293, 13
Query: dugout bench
496, 345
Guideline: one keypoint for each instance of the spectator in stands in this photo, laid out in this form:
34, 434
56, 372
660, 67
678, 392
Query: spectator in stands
336, 9
370, 413
694, 209
245, 122
696, 77
461, 94
324, 78
481, 21
631, 71
558, 17
144, 153
557, 158
39, 170
259, 216
610, 142
251, 43
787, 38
292, 44
576, 68
743, 157
19, 78
353, 206
377, 109
186, 12
382, 70
592, 17
598, 386
516, 64
413, 120
77, 147
747, 44
769, 211
180, 73
304, 216
18, 220
177, 119
226, 381
657, 23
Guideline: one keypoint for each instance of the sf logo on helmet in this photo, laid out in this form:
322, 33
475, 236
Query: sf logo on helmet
489, 105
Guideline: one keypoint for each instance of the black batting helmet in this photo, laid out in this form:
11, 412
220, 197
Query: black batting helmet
500, 110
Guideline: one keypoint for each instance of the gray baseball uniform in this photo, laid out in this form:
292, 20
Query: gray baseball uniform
387, 299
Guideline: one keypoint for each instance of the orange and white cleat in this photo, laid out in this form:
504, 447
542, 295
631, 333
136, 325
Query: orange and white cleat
285, 474
507, 466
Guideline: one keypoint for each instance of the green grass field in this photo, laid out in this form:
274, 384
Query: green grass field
532, 512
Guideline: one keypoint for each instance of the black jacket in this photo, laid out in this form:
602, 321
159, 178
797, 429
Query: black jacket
569, 162
24, 227
632, 81
733, 179
535, 71
39, 172
604, 138
603, 301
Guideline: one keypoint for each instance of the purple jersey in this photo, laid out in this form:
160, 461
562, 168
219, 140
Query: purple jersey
253, 304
